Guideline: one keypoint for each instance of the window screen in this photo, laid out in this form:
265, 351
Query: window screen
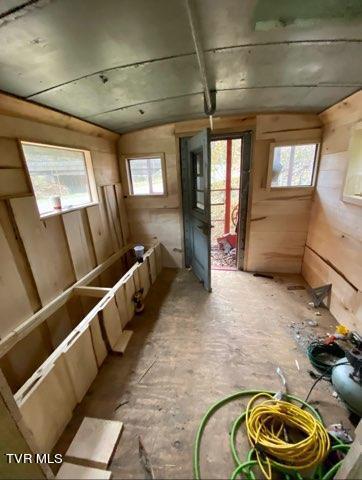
59, 177
146, 176
293, 165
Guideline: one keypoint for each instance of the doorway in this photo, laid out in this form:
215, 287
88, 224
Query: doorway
215, 185
224, 203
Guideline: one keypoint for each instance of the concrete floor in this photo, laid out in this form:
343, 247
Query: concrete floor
191, 348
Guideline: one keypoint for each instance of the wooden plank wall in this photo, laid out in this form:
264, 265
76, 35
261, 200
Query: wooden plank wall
278, 217
41, 258
333, 252
158, 217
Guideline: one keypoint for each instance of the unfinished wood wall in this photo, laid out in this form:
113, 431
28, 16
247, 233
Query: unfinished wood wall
156, 217
333, 253
41, 258
278, 217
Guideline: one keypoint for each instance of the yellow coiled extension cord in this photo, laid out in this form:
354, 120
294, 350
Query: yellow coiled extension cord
267, 426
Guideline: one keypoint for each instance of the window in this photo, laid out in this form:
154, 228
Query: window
293, 165
352, 192
198, 187
62, 178
146, 175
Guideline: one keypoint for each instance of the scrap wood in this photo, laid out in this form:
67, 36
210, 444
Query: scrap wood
295, 287
145, 460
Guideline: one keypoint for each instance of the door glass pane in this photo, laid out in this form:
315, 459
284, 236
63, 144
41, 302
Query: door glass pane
198, 181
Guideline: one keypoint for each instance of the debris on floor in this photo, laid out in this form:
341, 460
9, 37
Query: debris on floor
223, 259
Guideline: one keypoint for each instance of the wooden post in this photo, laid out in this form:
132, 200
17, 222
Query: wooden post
228, 186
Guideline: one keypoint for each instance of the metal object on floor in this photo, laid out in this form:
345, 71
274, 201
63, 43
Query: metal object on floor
319, 293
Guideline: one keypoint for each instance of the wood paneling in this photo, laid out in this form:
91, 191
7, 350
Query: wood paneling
46, 248
278, 217
335, 229
9, 153
40, 259
79, 240
15, 304
13, 182
345, 302
156, 217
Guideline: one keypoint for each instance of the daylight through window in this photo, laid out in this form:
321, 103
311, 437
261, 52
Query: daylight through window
146, 176
60, 177
293, 165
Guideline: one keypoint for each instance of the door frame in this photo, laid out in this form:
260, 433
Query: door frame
244, 191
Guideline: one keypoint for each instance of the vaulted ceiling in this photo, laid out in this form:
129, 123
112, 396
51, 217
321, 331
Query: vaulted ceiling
126, 64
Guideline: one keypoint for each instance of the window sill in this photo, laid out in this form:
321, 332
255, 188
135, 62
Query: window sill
161, 195
45, 216
355, 199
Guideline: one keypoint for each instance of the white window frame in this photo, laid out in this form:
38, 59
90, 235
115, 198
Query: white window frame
347, 197
290, 144
138, 156
90, 175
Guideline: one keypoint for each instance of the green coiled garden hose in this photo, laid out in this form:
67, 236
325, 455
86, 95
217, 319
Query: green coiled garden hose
245, 467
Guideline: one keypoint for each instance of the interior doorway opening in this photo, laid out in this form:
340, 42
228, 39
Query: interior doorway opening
224, 202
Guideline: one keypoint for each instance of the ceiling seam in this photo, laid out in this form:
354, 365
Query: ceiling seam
139, 104
191, 54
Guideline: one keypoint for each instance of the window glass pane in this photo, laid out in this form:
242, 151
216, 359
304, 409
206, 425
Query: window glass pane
293, 165
198, 181
146, 176
57, 172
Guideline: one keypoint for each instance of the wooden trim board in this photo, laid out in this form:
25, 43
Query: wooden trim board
95, 442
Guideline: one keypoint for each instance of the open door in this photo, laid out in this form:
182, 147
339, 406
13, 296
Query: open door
195, 161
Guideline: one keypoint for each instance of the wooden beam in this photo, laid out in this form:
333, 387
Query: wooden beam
26, 327
97, 292
17, 107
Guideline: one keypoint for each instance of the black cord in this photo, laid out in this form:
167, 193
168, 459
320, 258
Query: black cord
325, 375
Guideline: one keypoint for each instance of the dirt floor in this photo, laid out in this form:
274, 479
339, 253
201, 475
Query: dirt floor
191, 348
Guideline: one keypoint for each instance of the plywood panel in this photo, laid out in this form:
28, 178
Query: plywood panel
129, 293
79, 241
120, 295
144, 276
345, 302
15, 305
95, 442
122, 213
46, 248
276, 252
100, 234
112, 322
9, 153
105, 167
158, 252
335, 228
47, 407
13, 182
19, 255
99, 346
152, 265
26, 356
113, 216
81, 362
59, 325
